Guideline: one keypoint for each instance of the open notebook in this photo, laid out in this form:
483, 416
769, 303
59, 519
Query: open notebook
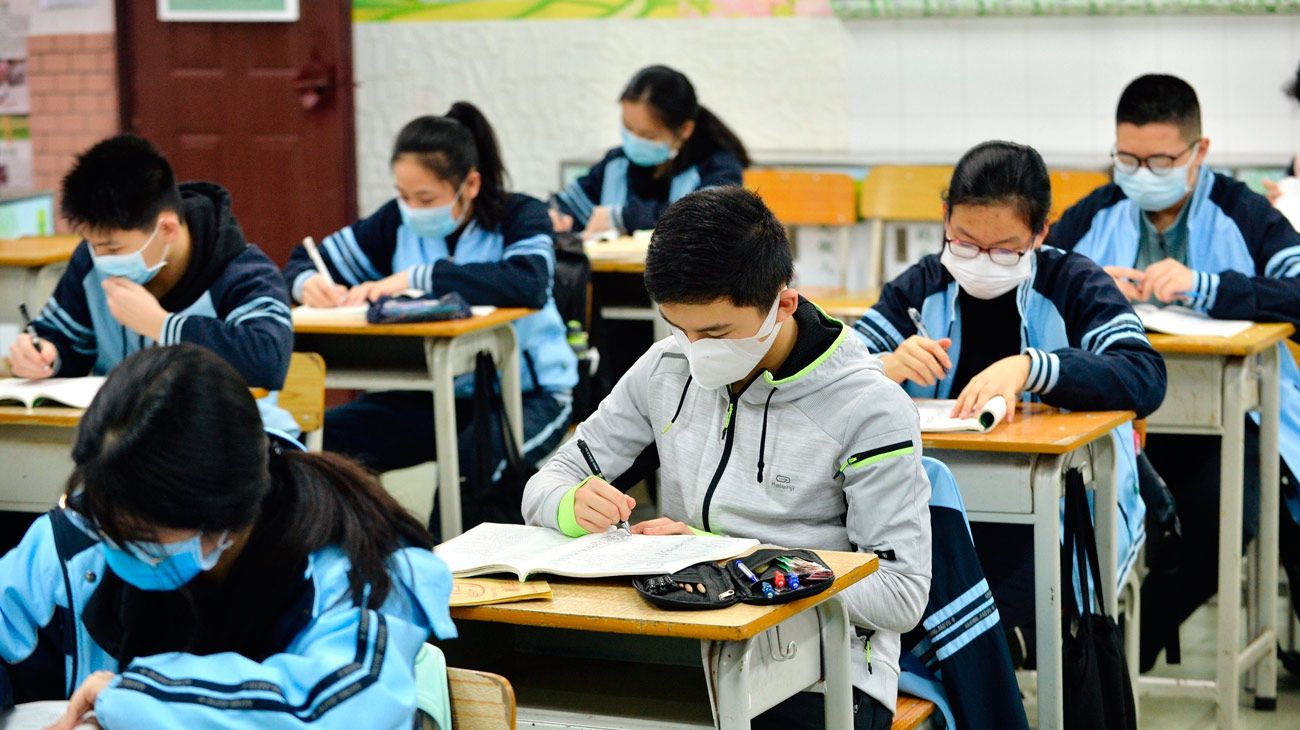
74, 392
1174, 320
305, 315
935, 416
525, 550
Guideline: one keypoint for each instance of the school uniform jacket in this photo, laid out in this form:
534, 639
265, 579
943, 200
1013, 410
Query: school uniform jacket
1087, 351
513, 266
342, 666
828, 457
1245, 256
231, 300
617, 183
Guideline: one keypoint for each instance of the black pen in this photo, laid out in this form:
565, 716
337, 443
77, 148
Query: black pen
595, 471
27, 325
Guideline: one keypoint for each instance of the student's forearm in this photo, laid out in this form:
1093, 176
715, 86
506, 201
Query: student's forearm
1256, 298
1121, 379
517, 281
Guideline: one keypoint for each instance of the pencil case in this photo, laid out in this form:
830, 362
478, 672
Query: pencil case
712, 585
426, 308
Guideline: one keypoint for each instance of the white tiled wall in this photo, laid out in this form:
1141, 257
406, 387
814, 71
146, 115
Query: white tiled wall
823, 89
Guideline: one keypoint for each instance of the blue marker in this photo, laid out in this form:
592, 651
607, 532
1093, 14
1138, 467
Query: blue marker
768, 591
744, 570
793, 582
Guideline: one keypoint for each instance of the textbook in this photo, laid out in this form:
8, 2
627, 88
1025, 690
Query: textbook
525, 550
1183, 321
487, 591
73, 392
935, 418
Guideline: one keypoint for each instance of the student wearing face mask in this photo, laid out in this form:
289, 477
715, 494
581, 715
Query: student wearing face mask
453, 227
1172, 230
201, 574
160, 264
768, 421
672, 145
1022, 322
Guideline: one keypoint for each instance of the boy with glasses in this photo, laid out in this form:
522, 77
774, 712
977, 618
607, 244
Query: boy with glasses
1171, 230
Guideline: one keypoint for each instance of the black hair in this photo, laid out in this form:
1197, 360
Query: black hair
1003, 173
453, 145
1292, 88
672, 98
1160, 98
717, 243
174, 440
122, 184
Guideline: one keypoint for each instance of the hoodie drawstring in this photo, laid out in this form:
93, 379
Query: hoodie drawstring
680, 402
762, 442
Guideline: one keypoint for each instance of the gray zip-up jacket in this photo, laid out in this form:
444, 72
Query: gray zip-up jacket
829, 457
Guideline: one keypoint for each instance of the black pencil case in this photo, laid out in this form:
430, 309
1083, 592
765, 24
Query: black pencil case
427, 308
717, 586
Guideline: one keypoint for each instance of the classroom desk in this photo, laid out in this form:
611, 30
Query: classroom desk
36, 451
846, 306
751, 655
626, 255
1016, 474
426, 356
29, 270
1213, 383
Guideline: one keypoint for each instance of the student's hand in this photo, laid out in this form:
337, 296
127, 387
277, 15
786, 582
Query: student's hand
1128, 280
1006, 378
1271, 190
1167, 281
919, 360
26, 361
134, 307
662, 526
599, 222
369, 291
597, 505
318, 292
561, 222
83, 700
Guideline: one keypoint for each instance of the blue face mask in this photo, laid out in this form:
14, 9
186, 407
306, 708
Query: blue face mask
162, 567
131, 266
1152, 192
645, 152
435, 222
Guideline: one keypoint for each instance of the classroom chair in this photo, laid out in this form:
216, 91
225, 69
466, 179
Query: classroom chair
913, 713
447, 697
1071, 186
303, 396
904, 205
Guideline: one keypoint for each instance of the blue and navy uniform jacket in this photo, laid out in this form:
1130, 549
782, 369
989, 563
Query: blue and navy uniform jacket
1087, 351
635, 197
331, 661
1245, 257
231, 300
513, 266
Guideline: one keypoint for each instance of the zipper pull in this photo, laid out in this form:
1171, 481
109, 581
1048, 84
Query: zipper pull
869, 655
726, 423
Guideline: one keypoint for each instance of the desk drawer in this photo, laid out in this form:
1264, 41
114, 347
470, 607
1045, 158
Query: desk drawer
991, 482
1194, 399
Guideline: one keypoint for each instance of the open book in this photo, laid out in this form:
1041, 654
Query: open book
356, 314
74, 392
525, 550
935, 416
1176, 320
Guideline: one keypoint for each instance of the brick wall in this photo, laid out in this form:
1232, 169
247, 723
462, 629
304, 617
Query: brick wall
74, 99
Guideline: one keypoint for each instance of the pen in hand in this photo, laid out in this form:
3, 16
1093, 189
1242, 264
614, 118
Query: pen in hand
595, 471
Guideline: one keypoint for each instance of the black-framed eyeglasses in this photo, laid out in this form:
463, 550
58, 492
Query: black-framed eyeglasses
967, 250
1158, 164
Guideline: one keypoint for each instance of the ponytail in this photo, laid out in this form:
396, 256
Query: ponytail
718, 136
453, 145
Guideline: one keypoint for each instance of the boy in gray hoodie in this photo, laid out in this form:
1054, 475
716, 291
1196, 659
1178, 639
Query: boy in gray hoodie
768, 421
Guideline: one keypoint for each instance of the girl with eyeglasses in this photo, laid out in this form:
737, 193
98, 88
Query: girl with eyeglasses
1004, 316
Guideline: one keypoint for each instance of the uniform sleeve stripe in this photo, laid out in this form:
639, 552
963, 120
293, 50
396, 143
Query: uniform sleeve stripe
1283, 264
576, 198
277, 316
874, 343
66, 323
259, 303
1127, 320
878, 322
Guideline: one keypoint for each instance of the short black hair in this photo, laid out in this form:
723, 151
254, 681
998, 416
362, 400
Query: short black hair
1292, 88
121, 184
1161, 98
1003, 173
718, 243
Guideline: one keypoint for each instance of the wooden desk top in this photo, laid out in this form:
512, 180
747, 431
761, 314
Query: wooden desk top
618, 266
1252, 341
40, 416
841, 303
448, 328
37, 250
613, 606
1038, 429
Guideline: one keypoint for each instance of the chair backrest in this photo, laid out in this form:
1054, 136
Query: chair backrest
1071, 186
911, 193
912, 713
303, 395
943, 487
799, 197
480, 700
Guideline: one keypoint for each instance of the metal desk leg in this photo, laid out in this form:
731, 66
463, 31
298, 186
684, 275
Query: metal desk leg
1048, 480
1105, 520
1230, 515
1265, 588
438, 355
733, 685
837, 664
507, 358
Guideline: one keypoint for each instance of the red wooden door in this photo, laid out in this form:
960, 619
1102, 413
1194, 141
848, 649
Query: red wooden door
264, 109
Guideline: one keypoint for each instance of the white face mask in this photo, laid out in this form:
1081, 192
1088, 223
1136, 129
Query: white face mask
716, 362
983, 279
